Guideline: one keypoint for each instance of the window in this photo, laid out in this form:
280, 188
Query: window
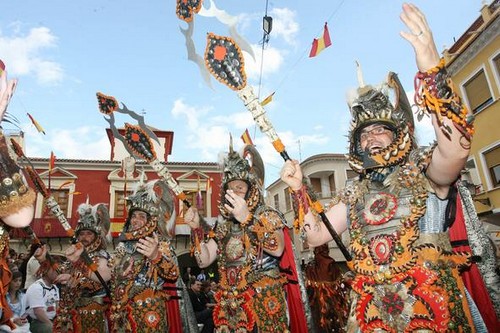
276, 201
496, 62
316, 186
492, 159
62, 198
288, 202
192, 198
478, 92
120, 203
331, 180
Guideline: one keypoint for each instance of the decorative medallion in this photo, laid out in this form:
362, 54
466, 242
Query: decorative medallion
139, 142
233, 274
234, 248
225, 62
185, 9
395, 305
152, 318
107, 104
382, 248
380, 208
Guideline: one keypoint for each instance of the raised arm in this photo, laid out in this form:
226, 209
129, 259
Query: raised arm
7, 88
435, 95
314, 228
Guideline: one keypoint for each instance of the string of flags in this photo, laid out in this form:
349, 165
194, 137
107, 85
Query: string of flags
52, 161
267, 100
319, 44
247, 139
36, 124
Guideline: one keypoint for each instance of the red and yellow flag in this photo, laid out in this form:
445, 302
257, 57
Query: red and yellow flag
52, 161
319, 44
38, 127
246, 138
267, 100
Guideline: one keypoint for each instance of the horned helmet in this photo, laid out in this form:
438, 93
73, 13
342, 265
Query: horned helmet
157, 201
96, 219
372, 105
248, 167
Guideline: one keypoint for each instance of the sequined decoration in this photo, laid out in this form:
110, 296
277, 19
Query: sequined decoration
225, 62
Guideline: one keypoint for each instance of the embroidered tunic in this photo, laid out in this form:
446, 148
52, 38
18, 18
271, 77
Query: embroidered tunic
83, 307
406, 275
138, 300
251, 291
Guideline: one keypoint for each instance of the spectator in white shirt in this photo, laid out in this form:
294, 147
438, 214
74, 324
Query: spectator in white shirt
42, 299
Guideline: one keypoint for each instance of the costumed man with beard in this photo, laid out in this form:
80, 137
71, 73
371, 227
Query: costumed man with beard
143, 262
84, 306
405, 273
16, 198
248, 244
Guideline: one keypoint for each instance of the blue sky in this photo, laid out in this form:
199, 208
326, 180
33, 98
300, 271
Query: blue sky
63, 52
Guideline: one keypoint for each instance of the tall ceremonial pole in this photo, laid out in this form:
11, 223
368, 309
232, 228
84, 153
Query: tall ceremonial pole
224, 60
54, 207
137, 141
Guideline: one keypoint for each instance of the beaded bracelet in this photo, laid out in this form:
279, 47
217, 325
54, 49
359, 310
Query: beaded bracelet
435, 93
300, 206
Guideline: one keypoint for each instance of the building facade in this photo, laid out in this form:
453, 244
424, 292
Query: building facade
473, 62
327, 174
74, 181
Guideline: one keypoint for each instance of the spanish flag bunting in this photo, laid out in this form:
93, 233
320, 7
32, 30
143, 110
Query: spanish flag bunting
246, 138
267, 100
52, 161
319, 44
36, 124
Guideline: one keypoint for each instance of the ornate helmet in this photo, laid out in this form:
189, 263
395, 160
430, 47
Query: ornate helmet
96, 219
372, 105
156, 199
246, 166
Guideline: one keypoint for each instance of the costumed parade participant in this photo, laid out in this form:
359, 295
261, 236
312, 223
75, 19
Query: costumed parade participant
325, 283
143, 262
248, 244
405, 273
16, 198
84, 306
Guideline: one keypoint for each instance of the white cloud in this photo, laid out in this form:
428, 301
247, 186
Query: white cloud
273, 59
209, 137
209, 134
239, 120
284, 24
191, 113
86, 142
23, 54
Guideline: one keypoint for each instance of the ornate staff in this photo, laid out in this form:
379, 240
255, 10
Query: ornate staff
225, 62
54, 207
137, 141
38, 243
